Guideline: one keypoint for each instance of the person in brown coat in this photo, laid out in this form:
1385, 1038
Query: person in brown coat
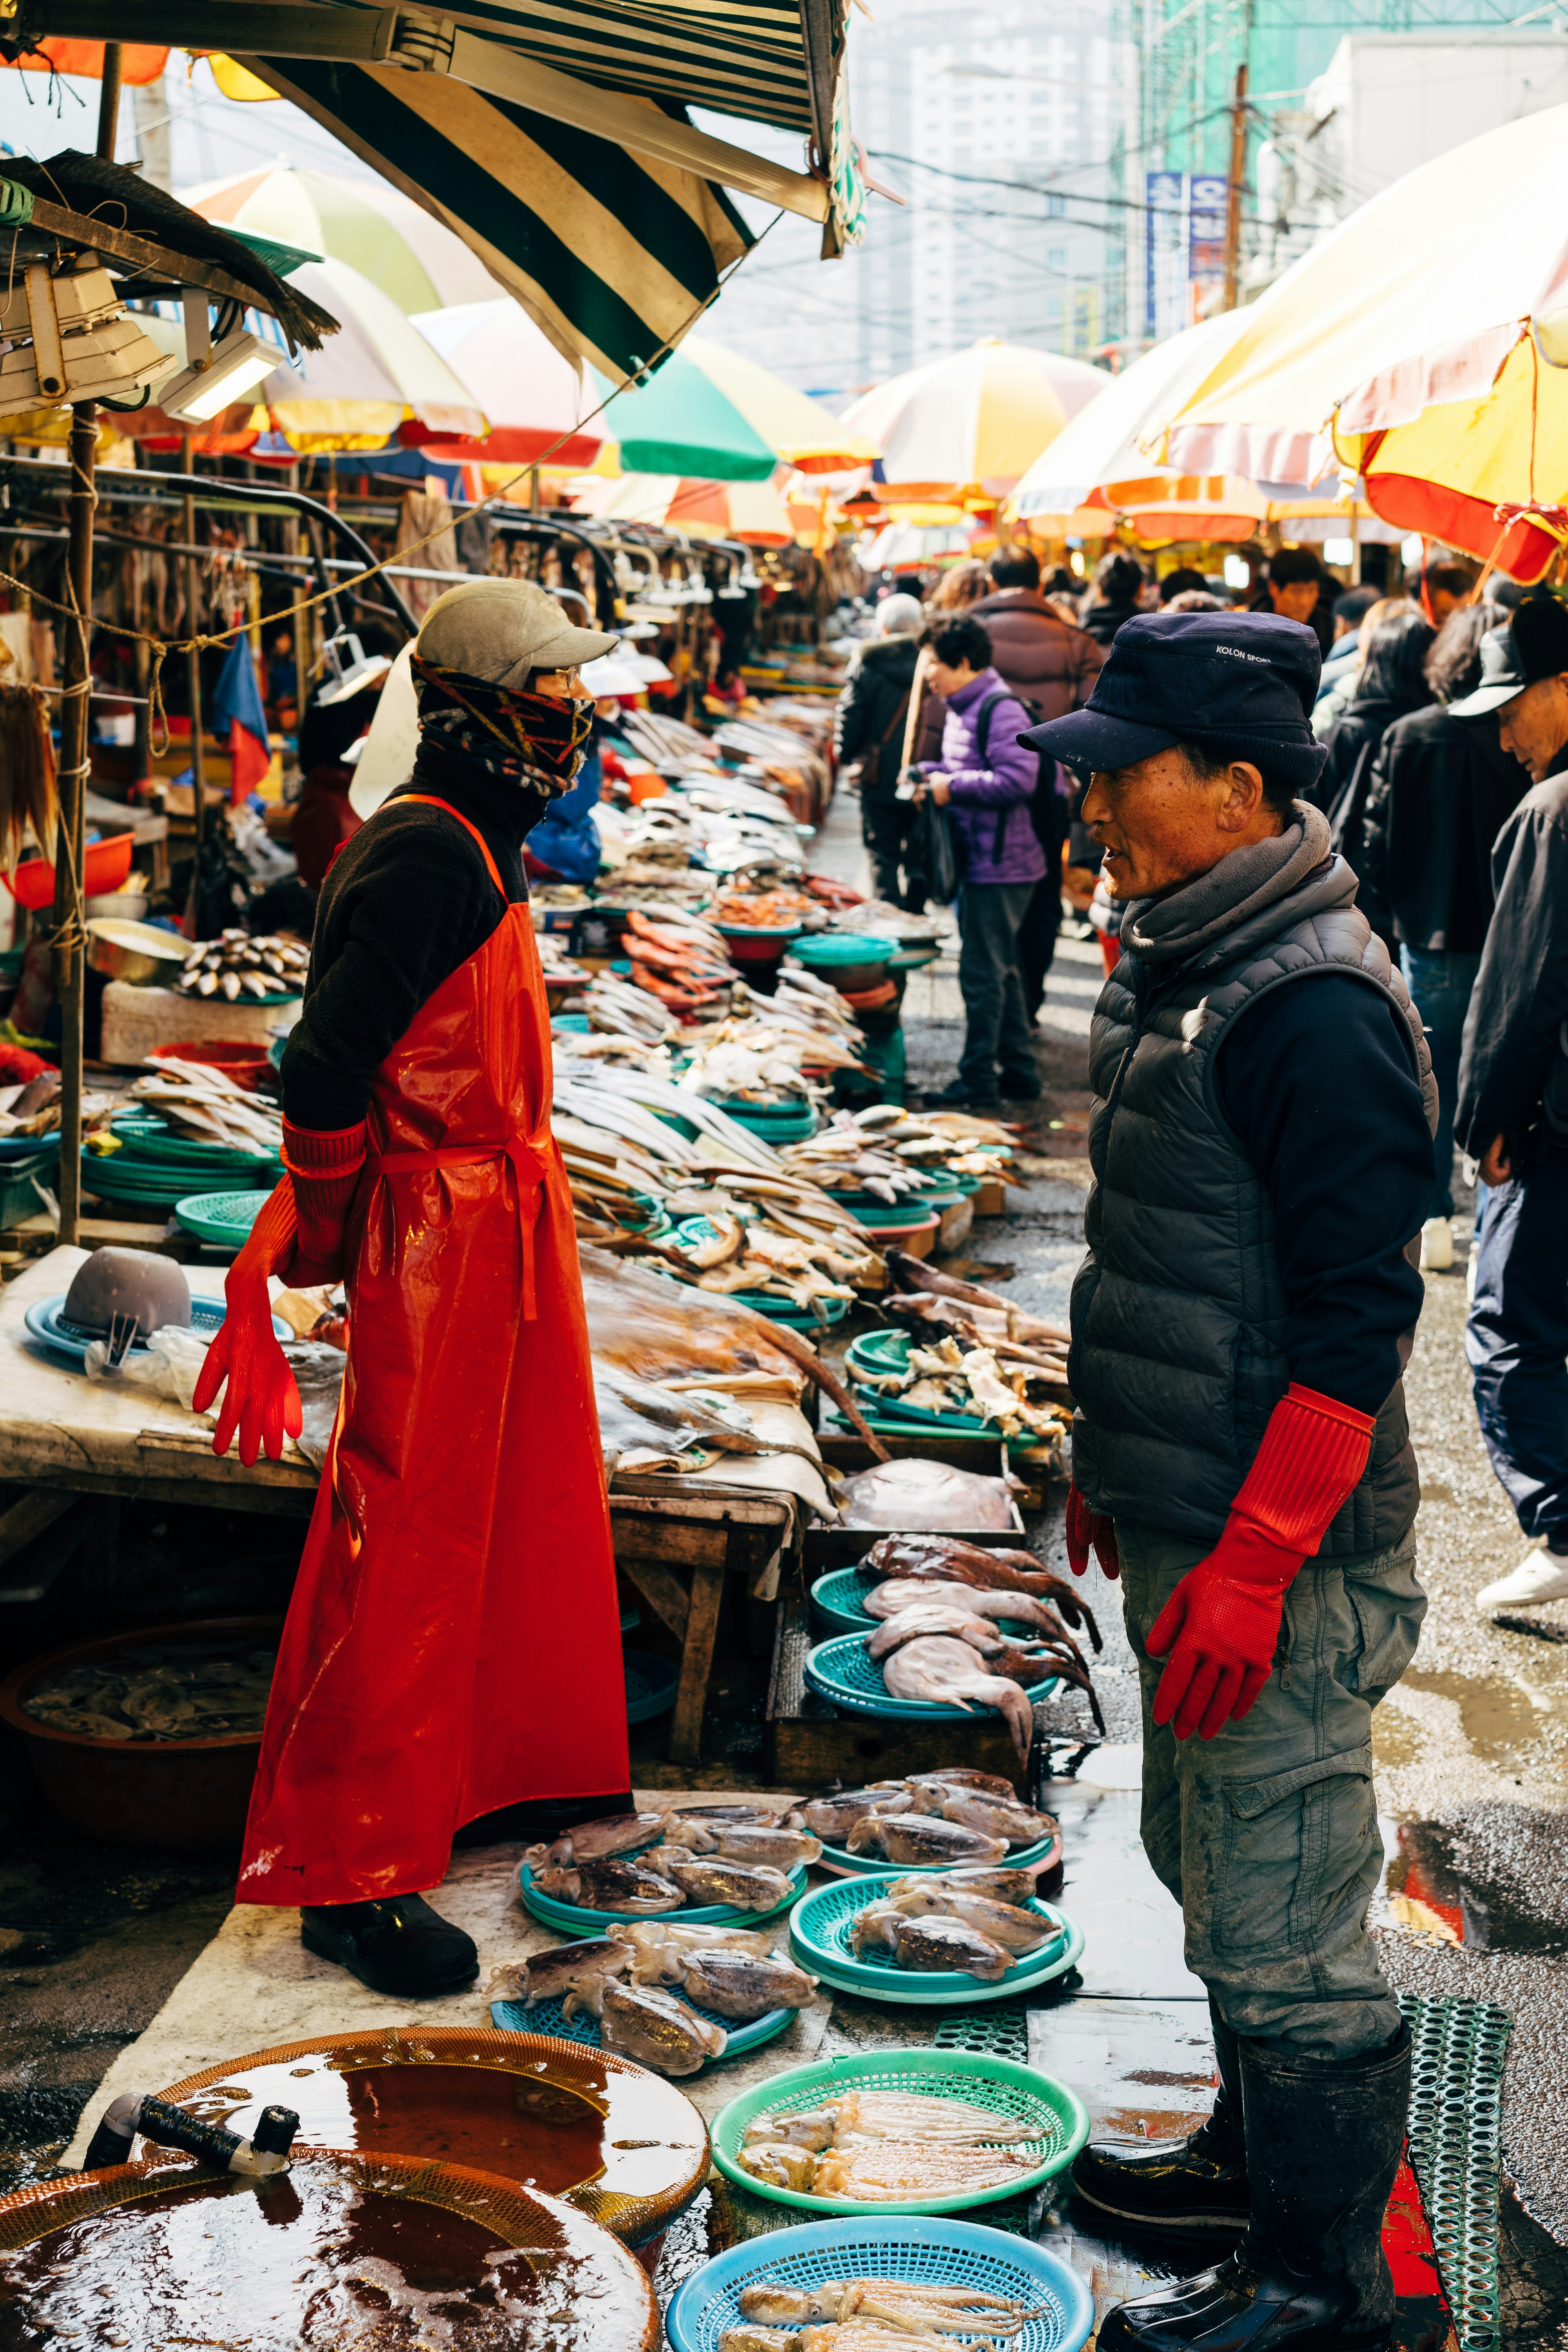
1050, 667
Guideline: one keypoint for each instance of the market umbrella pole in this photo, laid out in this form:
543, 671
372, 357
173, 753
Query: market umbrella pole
193, 677
69, 939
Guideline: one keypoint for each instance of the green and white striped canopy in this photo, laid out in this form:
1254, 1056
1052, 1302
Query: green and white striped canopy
602, 212
613, 256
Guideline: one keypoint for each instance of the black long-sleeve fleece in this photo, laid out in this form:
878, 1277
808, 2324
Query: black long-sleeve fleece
406, 901
1318, 1083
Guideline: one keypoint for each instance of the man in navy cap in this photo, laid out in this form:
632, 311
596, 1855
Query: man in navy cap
1261, 1149
1513, 1106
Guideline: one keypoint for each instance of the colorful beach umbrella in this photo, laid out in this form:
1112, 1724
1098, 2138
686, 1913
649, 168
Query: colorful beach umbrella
971, 424
376, 374
756, 512
533, 397
709, 414
1425, 340
377, 230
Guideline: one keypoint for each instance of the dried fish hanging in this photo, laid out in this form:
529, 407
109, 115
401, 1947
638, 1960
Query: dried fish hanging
28, 802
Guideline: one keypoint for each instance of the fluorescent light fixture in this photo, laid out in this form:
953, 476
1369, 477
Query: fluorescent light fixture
1237, 572
1339, 550
238, 365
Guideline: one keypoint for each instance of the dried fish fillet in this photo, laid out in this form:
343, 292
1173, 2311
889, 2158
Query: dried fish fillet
900, 2170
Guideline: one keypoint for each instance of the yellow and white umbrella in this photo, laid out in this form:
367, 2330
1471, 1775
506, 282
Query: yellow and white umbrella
373, 226
1425, 340
971, 424
756, 512
376, 373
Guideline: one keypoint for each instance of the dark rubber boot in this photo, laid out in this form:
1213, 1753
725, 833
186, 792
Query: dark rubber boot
400, 1946
1323, 2144
536, 1821
1199, 2183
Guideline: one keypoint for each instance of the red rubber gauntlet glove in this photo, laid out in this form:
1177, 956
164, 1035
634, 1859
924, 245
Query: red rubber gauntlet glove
324, 1164
1087, 1530
261, 1401
1221, 1625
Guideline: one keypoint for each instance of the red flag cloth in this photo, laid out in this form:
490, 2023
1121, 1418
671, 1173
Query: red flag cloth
251, 759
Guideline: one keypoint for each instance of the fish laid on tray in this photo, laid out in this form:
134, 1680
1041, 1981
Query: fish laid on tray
631, 1982
952, 1816
950, 1928
948, 1560
916, 2307
644, 1863
883, 2147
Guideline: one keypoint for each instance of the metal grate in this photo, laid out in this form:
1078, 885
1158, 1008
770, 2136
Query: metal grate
991, 2033
1455, 2148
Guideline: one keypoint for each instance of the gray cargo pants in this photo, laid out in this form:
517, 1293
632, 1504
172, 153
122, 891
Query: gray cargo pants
1267, 1835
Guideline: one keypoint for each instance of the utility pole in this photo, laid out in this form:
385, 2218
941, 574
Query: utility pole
1232, 195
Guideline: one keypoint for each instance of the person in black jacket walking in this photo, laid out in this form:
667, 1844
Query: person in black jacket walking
1441, 789
1513, 1106
868, 729
1393, 683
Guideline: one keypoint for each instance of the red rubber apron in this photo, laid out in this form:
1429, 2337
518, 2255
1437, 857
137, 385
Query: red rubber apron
453, 1643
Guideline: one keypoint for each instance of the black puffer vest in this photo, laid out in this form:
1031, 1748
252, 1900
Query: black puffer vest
1178, 1308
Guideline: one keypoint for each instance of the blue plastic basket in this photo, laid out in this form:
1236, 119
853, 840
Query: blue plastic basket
946, 2253
842, 1670
549, 2017
819, 1930
573, 1922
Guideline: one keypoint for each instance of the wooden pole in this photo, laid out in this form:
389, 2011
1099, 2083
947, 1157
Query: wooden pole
1232, 192
69, 940
194, 681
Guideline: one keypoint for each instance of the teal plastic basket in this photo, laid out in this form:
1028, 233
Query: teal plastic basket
224, 1219
1033, 2111
575, 1922
942, 2251
799, 1318
549, 2017
1044, 1855
827, 949
878, 1352
844, 1671
819, 1931
837, 1597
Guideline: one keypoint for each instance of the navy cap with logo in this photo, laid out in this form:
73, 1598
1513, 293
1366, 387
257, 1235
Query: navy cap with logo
1533, 645
1241, 685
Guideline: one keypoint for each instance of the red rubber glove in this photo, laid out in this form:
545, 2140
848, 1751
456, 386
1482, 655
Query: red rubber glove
1088, 1529
1221, 1624
324, 1164
261, 1400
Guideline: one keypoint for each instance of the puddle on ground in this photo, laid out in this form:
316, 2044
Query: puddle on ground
1496, 1717
1395, 1739
1491, 1877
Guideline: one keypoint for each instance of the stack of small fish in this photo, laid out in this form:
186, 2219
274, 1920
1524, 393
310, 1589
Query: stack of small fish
197, 1099
946, 1377
889, 1153
943, 1602
925, 1300
234, 965
159, 1691
644, 1863
679, 960
882, 2315
880, 2147
632, 1981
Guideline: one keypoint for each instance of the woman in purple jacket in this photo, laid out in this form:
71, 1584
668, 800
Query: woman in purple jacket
986, 780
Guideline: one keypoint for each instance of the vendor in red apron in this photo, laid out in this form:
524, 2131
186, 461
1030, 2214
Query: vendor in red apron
452, 1652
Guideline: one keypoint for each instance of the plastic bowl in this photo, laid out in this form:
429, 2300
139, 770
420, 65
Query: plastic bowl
104, 868
190, 1794
1048, 2115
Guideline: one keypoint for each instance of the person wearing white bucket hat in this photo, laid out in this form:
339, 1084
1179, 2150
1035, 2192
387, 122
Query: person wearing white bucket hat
461, 1533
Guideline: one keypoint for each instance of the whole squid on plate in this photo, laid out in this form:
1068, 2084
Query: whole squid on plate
930, 1942
937, 1559
704, 1879
614, 1885
576, 1973
911, 1839
742, 1987
776, 1849
950, 1673
833, 1815
1003, 1885
595, 1840
652, 2026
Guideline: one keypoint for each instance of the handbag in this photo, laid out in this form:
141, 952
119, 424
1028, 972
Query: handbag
937, 854
855, 773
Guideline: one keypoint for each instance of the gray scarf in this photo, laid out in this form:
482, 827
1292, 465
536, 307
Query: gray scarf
1177, 928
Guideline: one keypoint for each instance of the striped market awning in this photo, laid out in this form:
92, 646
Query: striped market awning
552, 135
614, 255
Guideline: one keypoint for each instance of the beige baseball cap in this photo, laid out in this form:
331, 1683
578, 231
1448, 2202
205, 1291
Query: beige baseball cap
499, 630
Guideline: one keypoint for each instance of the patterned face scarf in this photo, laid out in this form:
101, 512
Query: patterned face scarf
539, 739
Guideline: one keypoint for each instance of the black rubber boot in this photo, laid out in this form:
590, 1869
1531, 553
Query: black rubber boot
400, 1946
1323, 2144
1199, 2183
